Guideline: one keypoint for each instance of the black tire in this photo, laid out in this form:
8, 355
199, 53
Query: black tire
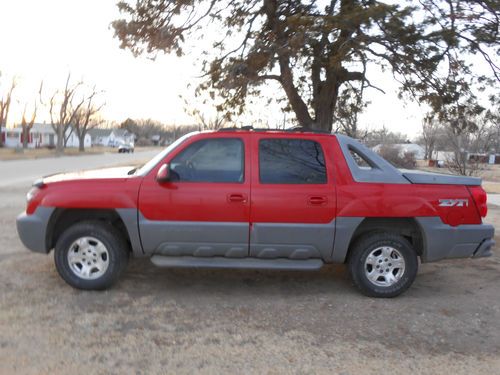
112, 240
358, 267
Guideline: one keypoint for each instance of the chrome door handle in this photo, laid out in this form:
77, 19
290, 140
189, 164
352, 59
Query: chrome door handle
235, 198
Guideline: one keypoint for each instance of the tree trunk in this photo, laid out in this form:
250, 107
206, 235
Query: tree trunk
60, 140
1, 125
325, 105
81, 143
296, 102
25, 136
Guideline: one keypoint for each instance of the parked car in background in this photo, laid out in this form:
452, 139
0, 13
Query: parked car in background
256, 199
126, 148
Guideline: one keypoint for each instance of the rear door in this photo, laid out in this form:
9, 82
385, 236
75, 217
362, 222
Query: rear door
293, 196
204, 209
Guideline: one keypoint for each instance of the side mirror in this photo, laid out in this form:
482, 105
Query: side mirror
163, 174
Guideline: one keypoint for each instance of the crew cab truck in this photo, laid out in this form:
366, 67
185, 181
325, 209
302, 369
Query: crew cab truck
255, 199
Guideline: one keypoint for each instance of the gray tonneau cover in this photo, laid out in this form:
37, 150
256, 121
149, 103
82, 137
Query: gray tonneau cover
381, 170
420, 177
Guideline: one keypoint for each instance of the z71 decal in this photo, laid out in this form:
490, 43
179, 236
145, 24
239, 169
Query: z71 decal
453, 202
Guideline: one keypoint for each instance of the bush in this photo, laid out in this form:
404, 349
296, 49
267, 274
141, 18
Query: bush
397, 158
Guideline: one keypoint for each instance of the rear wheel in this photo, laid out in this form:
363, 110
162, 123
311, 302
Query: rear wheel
383, 264
91, 255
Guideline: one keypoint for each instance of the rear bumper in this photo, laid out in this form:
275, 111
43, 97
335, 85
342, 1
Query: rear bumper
32, 229
443, 241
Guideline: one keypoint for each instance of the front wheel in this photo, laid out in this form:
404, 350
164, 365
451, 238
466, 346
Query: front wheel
91, 255
383, 264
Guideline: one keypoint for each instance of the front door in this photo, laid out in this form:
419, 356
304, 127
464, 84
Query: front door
293, 197
204, 209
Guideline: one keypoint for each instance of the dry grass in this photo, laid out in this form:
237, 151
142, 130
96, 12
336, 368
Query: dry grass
491, 187
490, 175
17, 154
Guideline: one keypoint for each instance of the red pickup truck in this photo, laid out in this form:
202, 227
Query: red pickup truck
256, 199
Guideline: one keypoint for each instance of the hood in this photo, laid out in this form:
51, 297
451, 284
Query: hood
95, 174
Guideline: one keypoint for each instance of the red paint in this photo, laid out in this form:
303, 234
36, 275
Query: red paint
290, 203
255, 202
197, 201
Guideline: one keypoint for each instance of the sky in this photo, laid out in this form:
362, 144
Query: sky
45, 40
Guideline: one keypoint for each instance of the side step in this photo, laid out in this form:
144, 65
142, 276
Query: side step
241, 263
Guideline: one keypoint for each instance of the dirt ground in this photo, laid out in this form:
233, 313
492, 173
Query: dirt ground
198, 321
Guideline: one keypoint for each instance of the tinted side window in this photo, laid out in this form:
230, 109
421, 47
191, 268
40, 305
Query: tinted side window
291, 161
360, 160
210, 160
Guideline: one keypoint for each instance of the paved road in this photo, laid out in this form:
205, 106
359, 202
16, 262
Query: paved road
494, 199
21, 173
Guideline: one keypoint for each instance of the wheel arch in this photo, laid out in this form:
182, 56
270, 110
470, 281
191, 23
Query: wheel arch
404, 226
125, 220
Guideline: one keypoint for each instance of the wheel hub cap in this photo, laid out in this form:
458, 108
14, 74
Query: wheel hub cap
88, 258
384, 266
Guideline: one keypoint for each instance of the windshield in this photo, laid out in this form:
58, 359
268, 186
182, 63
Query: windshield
142, 171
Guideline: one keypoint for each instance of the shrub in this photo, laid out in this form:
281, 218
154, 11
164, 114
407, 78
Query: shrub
396, 157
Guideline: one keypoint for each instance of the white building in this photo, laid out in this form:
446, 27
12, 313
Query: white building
111, 137
41, 135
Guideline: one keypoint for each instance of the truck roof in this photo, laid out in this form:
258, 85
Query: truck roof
295, 129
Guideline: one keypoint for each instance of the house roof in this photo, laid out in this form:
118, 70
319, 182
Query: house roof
37, 128
42, 128
121, 132
99, 133
107, 132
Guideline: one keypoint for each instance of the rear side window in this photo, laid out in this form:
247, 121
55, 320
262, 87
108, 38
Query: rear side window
291, 161
210, 160
360, 160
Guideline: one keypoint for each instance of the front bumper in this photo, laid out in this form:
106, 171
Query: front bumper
32, 229
443, 241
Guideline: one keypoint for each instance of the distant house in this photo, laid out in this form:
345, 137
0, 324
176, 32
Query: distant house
41, 135
417, 150
111, 137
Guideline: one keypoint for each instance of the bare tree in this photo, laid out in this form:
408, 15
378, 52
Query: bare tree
204, 120
469, 149
383, 136
63, 107
459, 161
345, 117
430, 133
84, 119
27, 125
398, 157
209, 122
5, 102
